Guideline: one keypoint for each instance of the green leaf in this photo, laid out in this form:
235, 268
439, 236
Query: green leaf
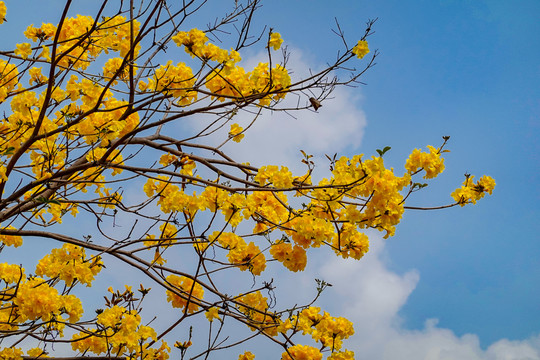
419, 186
383, 151
10, 150
42, 200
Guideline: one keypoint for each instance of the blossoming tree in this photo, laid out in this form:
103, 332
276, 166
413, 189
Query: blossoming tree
91, 105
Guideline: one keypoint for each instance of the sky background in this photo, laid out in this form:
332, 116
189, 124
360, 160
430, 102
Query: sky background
455, 284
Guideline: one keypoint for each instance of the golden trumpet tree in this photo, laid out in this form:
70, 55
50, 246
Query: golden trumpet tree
91, 107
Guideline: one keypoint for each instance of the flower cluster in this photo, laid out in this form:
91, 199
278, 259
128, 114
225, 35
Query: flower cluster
3, 11
9, 78
11, 273
36, 299
120, 331
301, 352
188, 293
255, 306
177, 80
293, 257
231, 81
171, 198
79, 51
70, 264
329, 331
263, 83
11, 240
246, 356
471, 192
432, 163
11, 353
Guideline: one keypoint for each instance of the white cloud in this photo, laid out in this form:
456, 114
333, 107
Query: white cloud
371, 295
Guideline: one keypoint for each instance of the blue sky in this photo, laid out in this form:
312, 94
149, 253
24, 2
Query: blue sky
468, 69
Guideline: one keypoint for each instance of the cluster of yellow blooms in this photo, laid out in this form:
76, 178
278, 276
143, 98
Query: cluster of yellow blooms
471, 192
69, 263
329, 331
430, 162
11, 240
191, 293
120, 331
325, 329
361, 194
33, 299
231, 81
75, 48
177, 80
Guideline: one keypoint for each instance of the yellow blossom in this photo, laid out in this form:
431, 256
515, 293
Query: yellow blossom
212, 313
432, 163
470, 192
246, 356
235, 133
37, 353
36, 76
361, 49
45, 53
11, 240
167, 159
11, 273
342, 355
3, 11
275, 41
301, 352
11, 354
23, 50
191, 293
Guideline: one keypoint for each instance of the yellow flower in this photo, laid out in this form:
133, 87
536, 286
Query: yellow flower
212, 313
183, 345
301, 352
342, 355
3, 11
11, 273
46, 53
235, 133
191, 293
432, 163
361, 49
11, 354
246, 356
167, 159
37, 353
275, 41
248, 257
11, 240
36, 76
188, 166
470, 192
23, 50
69, 264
